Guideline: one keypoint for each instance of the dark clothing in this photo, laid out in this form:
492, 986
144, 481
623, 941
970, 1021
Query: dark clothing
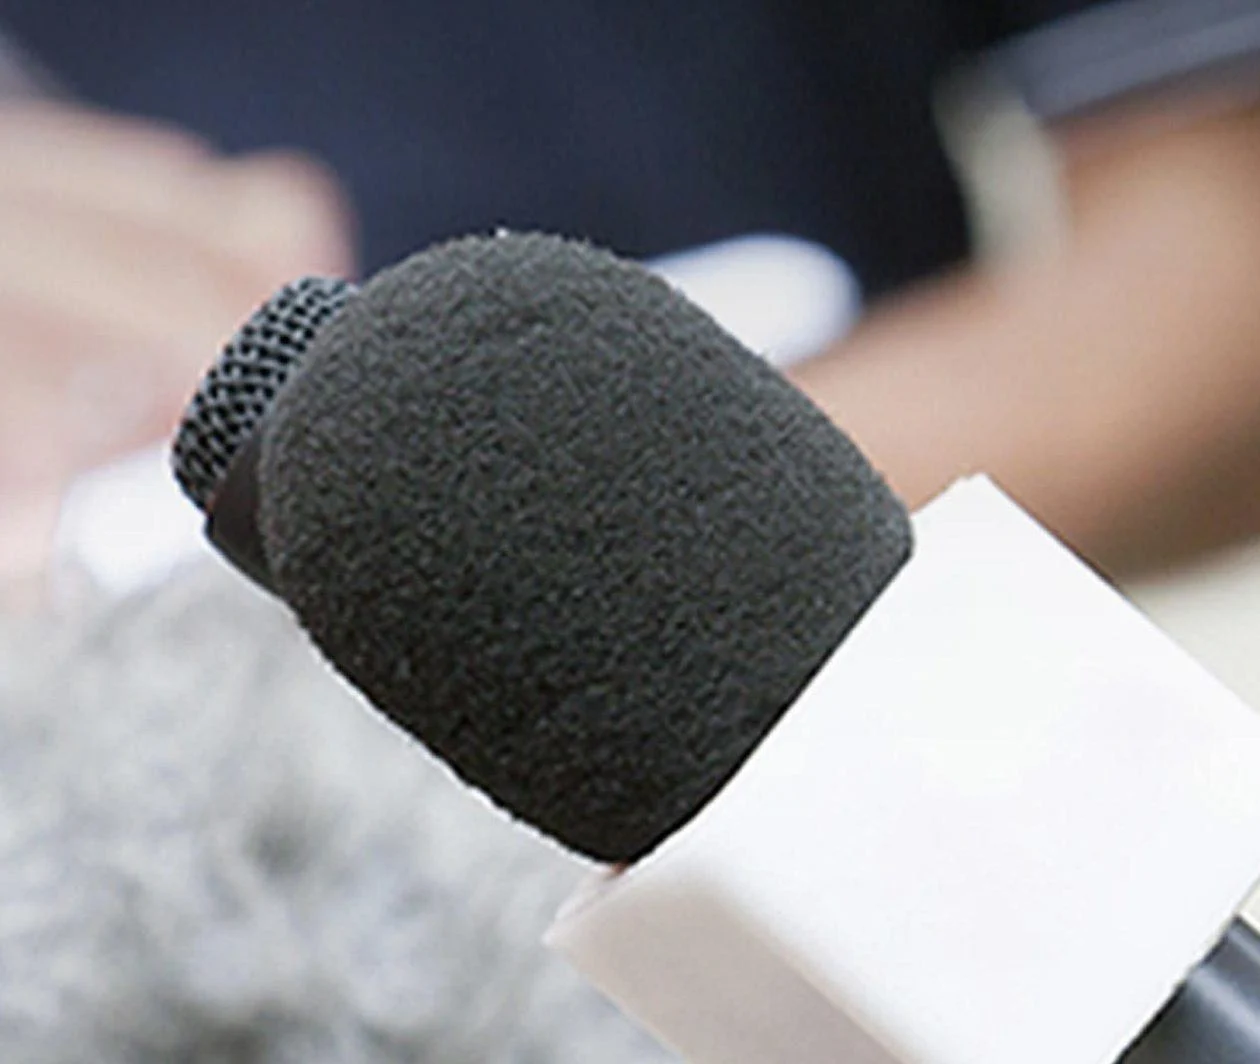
645, 125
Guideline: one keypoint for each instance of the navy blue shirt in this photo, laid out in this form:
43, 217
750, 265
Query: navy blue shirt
645, 125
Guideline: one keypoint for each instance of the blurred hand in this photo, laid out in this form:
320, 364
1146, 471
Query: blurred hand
129, 251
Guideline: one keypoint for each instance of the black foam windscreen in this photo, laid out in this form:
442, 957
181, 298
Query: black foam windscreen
559, 525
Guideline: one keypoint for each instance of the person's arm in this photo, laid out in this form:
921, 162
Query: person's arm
1112, 385
127, 251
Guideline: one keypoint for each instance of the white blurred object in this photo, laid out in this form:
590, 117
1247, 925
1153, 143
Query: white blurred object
127, 526
781, 297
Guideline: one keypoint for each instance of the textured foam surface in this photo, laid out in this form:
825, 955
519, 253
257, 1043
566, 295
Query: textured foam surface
242, 384
559, 525
209, 854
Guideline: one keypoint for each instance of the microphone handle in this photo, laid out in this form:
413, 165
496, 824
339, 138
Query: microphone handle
1215, 1016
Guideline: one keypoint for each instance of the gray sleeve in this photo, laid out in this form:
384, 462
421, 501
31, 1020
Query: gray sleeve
21, 75
1134, 48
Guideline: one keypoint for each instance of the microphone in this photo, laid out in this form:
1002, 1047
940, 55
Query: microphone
607, 512
629, 582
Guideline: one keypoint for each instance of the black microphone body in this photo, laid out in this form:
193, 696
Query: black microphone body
558, 525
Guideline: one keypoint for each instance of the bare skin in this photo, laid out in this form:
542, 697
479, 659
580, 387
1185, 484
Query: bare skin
1111, 384
129, 252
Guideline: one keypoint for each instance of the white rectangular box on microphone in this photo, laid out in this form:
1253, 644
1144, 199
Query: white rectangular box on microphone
999, 826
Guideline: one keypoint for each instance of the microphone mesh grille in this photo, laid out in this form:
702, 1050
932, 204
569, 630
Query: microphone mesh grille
241, 386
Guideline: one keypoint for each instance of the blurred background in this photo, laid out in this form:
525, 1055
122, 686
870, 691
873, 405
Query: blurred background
1018, 237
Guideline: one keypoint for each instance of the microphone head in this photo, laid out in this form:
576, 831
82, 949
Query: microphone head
560, 526
240, 387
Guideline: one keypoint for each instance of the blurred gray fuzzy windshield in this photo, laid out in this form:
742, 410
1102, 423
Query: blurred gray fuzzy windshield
212, 853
